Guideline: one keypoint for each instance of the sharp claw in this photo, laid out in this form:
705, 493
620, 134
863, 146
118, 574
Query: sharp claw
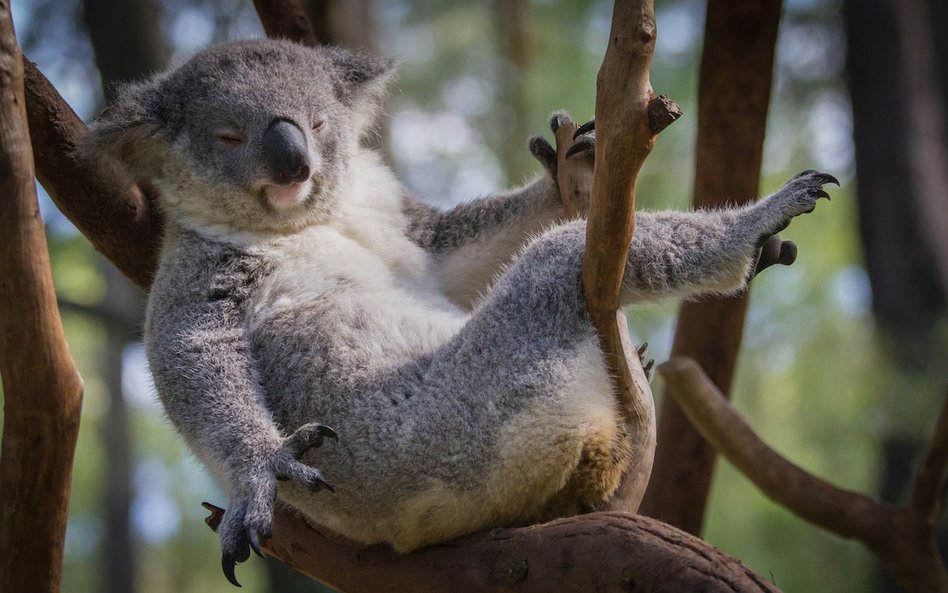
821, 194
228, 564
648, 367
558, 119
642, 349
323, 484
827, 178
255, 542
327, 432
582, 145
585, 128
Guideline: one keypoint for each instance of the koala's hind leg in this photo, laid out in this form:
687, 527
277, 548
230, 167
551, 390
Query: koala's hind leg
530, 364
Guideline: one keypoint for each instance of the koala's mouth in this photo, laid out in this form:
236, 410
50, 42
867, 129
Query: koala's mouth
283, 197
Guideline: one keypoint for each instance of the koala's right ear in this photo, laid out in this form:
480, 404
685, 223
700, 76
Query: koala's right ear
130, 130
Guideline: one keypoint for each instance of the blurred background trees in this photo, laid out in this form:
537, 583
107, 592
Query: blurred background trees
844, 363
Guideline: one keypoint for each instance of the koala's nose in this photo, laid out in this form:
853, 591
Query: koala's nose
284, 146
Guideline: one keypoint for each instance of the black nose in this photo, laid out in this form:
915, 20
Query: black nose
284, 146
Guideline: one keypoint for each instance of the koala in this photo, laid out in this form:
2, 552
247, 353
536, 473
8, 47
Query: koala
300, 286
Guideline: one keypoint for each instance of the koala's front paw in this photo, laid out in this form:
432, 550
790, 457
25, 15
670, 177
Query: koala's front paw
570, 164
249, 519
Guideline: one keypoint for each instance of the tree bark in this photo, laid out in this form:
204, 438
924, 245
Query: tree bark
42, 390
733, 96
601, 552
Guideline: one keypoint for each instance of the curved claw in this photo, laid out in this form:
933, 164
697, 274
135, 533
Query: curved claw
585, 128
309, 436
320, 483
641, 350
821, 194
228, 565
544, 152
584, 144
558, 119
255, 542
827, 178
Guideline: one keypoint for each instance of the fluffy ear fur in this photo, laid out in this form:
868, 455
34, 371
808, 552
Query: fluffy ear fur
130, 129
360, 81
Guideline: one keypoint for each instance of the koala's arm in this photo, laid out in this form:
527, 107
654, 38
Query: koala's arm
687, 254
472, 242
203, 370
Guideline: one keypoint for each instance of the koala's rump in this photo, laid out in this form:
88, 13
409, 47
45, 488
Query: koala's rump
435, 441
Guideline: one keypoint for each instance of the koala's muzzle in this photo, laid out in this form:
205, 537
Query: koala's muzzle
284, 147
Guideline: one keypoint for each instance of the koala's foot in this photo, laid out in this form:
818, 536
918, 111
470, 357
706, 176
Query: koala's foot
249, 519
797, 196
584, 142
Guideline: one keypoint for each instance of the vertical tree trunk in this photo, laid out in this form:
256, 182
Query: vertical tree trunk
42, 390
733, 96
899, 129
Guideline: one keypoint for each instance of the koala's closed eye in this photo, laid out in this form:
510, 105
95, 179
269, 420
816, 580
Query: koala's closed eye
230, 137
319, 123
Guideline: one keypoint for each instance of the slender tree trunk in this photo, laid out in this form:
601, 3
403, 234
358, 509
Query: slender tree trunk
42, 390
733, 96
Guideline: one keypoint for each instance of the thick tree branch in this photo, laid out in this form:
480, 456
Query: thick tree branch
902, 538
42, 390
596, 552
734, 93
99, 198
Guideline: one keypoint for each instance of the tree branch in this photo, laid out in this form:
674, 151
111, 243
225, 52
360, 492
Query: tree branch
101, 199
624, 135
929, 492
42, 390
286, 19
901, 538
600, 551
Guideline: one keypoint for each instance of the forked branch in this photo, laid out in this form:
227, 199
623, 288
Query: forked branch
903, 538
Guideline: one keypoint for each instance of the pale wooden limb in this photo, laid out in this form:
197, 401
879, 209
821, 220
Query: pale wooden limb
903, 538
42, 390
626, 126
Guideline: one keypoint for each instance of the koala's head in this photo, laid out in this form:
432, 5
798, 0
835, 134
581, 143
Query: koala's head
254, 135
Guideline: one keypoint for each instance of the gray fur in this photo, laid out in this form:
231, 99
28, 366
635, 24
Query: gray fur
358, 308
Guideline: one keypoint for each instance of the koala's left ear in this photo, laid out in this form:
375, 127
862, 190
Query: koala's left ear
130, 130
360, 81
